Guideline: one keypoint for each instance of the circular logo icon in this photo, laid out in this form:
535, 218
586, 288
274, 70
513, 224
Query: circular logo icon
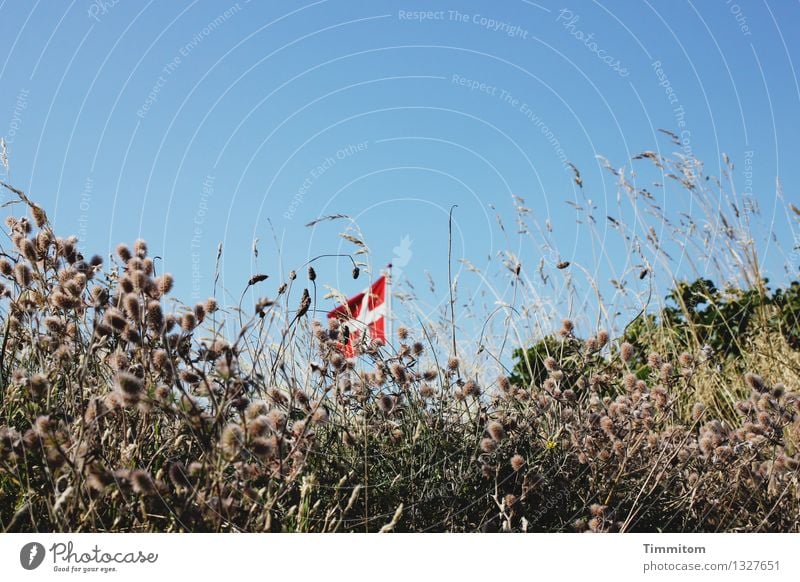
31, 555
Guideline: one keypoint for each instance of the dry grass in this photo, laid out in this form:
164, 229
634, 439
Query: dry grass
119, 415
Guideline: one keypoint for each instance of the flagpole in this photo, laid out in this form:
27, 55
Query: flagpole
389, 325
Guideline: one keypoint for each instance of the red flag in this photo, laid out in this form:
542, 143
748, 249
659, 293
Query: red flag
365, 314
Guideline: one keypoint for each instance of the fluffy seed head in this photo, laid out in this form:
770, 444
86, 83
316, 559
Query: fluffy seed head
124, 253
132, 306
23, 275
602, 337
488, 445
385, 403
232, 439
755, 382
116, 319
188, 321
129, 386
164, 283
496, 430
140, 248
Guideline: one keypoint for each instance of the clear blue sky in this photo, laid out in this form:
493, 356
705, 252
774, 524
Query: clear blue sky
194, 124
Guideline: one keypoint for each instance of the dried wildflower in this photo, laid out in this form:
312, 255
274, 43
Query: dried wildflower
155, 316
723, 453
755, 382
399, 373
504, 383
276, 419
697, 410
211, 305
140, 248
659, 395
666, 372
132, 306
471, 388
550, 364
28, 249
496, 430
602, 337
188, 322
385, 403
232, 439
54, 324
517, 462
164, 283
607, 425
452, 363
142, 482
38, 385
654, 361
429, 375
115, 319
189, 377
44, 425
23, 275
39, 216
200, 312
597, 510
706, 445
264, 447
488, 445
320, 415
130, 387
259, 426
99, 296
124, 253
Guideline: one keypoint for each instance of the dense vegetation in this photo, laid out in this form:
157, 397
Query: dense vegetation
117, 414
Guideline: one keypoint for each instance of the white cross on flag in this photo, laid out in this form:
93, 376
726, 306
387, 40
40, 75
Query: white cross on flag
365, 314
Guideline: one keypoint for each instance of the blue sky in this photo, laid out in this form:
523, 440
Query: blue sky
195, 124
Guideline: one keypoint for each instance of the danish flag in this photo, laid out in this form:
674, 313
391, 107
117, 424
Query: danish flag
365, 314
